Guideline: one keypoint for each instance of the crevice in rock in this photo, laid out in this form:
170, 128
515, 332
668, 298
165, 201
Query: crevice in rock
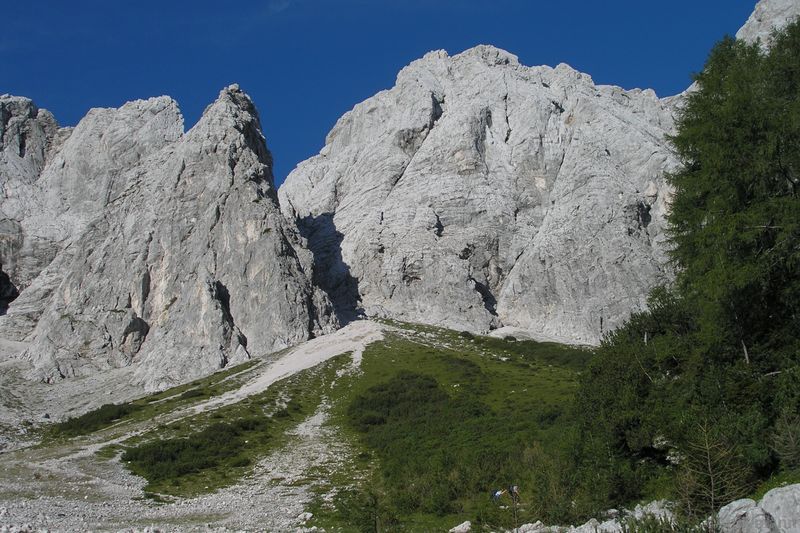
8, 291
437, 110
438, 227
133, 336
22, 143
330, 272
489, 301
220, 293
643, 214
411, 140
639, 214
508, 123
484, 125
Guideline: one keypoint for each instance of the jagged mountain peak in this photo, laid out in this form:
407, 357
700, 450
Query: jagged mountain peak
232, 108
158, 250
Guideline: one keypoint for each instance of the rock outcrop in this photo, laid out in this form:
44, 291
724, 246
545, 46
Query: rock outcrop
169, 249
478, 192
777, 512
769, 16
28, 136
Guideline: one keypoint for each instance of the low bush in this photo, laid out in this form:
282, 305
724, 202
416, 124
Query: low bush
219, 443
99, 418
192, 393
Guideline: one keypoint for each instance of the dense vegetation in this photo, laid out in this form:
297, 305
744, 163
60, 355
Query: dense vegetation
445, 422
101, 417
699, 397
218, 444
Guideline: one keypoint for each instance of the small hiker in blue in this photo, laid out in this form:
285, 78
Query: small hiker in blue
497, 494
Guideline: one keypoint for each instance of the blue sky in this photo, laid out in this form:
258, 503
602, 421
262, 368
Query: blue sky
306, 62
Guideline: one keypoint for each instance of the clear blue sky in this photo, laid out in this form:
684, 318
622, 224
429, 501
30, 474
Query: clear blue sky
306, 62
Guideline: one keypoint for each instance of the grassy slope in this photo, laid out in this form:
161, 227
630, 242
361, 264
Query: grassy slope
259, 423
148, 407
498, 406
522, 387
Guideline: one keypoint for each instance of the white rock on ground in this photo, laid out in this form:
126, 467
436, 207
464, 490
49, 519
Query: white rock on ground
464, 527
777, 512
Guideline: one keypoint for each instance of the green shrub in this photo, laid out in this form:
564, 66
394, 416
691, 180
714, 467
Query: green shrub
89, 422
192, 393
174, 458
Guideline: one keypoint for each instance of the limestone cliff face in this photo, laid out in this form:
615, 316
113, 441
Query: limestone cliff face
479, 192
170, 252
28, 136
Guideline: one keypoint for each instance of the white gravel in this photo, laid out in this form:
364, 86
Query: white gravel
69, 488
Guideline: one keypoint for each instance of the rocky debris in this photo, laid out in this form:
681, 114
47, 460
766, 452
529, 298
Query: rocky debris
464, 527
769, 16
659, 510
353, 338
75, 494
777, 512
478, 192
175, 257
19, 529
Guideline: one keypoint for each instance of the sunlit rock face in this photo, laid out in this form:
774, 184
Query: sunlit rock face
478, 192
135, 243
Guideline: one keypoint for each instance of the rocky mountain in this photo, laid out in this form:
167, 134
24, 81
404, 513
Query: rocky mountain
478, 193
134, 243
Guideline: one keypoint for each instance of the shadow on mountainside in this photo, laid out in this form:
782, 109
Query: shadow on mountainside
8, 292
331, 273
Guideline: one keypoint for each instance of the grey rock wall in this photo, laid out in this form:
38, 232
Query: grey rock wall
478, 192
170, 252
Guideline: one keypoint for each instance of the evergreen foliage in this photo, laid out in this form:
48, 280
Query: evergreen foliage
101, 417
703, 388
